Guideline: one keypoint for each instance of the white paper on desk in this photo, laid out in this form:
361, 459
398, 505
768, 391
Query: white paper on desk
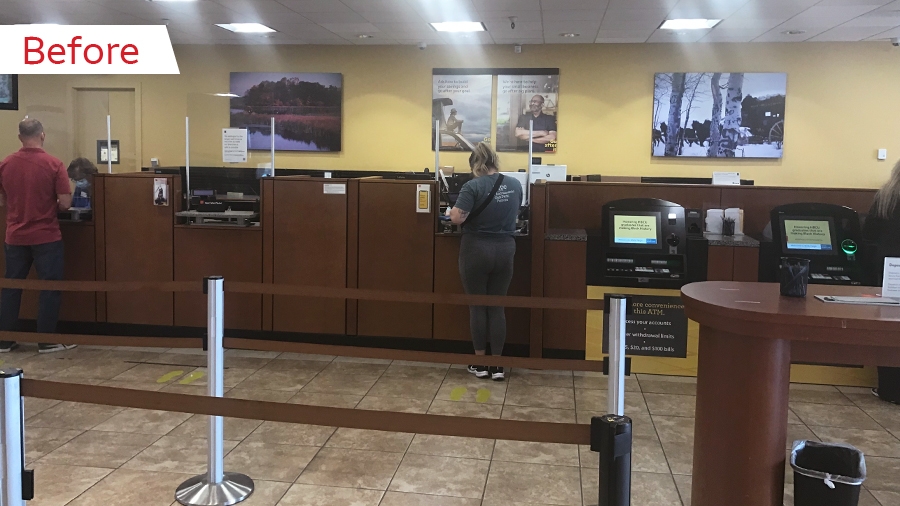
890, 286
865, 301
726, 178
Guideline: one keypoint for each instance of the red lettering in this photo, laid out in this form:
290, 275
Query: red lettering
73, 45
109, 48
36, 50
56, 50
125, 53
88, 58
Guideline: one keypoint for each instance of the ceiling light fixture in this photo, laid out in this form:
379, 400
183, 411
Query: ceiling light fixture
689, 24
570, 35
459, 26
246, 27
225, 95
794, 32
365, 36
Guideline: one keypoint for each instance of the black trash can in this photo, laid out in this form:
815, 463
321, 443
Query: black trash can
827, 474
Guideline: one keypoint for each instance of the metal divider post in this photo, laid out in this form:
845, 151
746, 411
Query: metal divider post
216, 487
611, 434
16, 484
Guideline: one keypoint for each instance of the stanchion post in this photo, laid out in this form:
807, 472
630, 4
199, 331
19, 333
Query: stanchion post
16, 484
615, 398
216, 487
611, 437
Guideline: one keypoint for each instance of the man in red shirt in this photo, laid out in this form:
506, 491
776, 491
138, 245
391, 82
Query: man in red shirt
33, 187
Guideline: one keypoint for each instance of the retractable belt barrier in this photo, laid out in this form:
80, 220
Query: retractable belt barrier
610, 435
457, 299
542, 432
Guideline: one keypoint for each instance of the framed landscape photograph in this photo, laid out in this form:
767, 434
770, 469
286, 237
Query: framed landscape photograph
718, 115
9, 92
306, 107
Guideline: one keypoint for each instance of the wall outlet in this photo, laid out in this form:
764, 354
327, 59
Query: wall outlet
154, 162
882, 154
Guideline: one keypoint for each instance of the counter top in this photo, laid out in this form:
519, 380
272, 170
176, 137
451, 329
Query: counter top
459, 234
740, 241
566, 234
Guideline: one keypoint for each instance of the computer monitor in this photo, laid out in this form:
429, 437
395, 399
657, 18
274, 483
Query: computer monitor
635, 229
808, 235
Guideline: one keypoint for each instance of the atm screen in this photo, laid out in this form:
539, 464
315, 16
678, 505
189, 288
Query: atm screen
811, 235
636, 230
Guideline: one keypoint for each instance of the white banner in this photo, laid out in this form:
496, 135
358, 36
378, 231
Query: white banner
86, 49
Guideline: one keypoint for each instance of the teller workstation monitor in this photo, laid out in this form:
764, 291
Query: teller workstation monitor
827, 235
644, 243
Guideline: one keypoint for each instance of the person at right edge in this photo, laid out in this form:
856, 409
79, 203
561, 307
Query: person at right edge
33, 187
486, 210
881, 237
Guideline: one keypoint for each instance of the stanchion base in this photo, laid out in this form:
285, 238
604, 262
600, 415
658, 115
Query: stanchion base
197, 491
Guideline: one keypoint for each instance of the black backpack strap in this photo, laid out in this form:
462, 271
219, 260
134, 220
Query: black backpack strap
484, 204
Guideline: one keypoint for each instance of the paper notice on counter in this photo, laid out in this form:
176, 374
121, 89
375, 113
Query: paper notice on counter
234, 144
334, 189
728, 178
890, 286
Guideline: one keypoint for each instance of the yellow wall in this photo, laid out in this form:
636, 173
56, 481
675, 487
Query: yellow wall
842, 105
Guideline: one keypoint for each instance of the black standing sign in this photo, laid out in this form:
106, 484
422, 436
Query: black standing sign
656, 326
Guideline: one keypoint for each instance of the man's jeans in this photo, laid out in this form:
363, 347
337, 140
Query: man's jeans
48, 262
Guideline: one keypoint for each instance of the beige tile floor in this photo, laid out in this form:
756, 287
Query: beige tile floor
87, 455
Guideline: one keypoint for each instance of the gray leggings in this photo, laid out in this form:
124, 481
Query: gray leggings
486, 268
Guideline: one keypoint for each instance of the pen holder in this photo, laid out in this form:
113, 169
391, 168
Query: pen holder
728, 226
793, 273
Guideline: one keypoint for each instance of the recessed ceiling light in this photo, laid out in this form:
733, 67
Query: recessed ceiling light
689, 24
365, 36
459, 26
246, 27
570, 35
224, 95
794, 32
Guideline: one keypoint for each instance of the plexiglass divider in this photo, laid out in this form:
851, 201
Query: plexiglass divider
227, 151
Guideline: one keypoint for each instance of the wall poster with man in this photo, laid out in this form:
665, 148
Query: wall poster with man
461, 103
522, 99
719, 115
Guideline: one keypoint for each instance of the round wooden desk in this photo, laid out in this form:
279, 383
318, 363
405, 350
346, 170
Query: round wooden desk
749, 334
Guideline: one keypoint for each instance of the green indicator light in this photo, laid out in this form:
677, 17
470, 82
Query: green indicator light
849, 246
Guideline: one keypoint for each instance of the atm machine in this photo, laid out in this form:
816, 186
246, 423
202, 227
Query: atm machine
828, 235
645, 243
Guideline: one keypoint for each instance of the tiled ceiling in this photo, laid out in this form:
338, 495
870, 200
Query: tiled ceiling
367, 22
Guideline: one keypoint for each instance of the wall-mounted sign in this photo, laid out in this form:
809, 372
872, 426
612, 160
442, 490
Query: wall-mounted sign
103, 153
656, 326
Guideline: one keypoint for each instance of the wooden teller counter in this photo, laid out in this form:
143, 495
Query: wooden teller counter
369, 234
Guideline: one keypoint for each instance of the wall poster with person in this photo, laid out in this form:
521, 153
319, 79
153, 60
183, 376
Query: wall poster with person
719, 115
461, 103
522, 99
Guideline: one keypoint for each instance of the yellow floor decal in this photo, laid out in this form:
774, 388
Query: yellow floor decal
482, 395
457, 393
192, 377
165, 378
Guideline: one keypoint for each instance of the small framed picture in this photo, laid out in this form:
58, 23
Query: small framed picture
9, 92
160, 191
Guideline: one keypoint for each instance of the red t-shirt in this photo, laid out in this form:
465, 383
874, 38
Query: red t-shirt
31, 179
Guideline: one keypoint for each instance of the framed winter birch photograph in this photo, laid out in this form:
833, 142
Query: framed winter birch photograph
718, 115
